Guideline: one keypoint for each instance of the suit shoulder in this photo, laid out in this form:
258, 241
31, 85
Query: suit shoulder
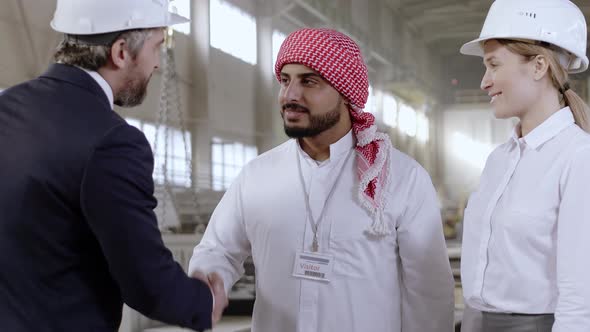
122, 133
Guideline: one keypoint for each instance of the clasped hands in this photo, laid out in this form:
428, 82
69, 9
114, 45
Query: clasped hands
215, 283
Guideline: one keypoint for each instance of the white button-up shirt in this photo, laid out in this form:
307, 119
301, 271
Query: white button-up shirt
400, 282
527, 227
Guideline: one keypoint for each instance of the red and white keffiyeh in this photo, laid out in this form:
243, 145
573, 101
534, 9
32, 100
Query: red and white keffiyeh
337, 58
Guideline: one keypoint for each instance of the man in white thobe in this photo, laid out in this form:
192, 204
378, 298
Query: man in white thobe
344, 230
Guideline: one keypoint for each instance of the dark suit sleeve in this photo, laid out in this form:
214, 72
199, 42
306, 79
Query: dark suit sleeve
117, 200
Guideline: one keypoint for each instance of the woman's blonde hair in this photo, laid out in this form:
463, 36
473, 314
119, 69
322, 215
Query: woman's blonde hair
559, 75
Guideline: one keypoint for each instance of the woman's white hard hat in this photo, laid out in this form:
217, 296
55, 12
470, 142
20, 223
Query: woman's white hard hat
557, 22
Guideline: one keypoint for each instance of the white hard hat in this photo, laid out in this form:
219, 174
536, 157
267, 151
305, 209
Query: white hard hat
92, 17
557, 22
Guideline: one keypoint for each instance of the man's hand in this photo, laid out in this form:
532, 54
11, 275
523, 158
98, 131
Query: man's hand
221, 300
215, 283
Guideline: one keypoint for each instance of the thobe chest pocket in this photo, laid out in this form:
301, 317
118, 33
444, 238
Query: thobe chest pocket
358, 254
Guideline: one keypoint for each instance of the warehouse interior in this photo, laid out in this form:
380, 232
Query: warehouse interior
212, 105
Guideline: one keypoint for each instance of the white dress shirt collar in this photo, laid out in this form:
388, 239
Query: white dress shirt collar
546, 130
103, 84
338, 149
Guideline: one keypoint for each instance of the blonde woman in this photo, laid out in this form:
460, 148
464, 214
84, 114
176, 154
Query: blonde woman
527, 227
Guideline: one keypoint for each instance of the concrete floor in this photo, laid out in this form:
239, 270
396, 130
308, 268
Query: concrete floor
227, 324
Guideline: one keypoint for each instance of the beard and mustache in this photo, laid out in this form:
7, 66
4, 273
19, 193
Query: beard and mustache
317, 123
134, 91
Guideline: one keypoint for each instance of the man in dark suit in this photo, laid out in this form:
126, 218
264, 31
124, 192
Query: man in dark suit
78, 236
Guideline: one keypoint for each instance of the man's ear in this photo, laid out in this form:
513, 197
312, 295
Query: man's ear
119, 55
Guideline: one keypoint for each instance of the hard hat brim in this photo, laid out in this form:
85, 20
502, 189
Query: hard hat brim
475, 48
171, 20
177, 19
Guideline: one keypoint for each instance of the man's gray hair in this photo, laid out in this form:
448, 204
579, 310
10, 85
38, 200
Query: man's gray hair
91, 57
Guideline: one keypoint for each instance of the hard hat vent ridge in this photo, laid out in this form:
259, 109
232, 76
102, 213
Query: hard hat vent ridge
528, 14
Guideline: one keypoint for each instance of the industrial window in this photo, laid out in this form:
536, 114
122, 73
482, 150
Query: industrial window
227, 159
423, 128
390, 110
371, 105
183, 8
178, 170
237, 38
469, 150
407, 120
277, 40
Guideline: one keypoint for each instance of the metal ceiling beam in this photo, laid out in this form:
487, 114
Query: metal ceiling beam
414, 8
429, 18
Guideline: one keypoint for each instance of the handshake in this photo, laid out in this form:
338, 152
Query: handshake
215, 283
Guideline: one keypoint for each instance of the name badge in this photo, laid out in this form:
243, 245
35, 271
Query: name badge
313, 266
